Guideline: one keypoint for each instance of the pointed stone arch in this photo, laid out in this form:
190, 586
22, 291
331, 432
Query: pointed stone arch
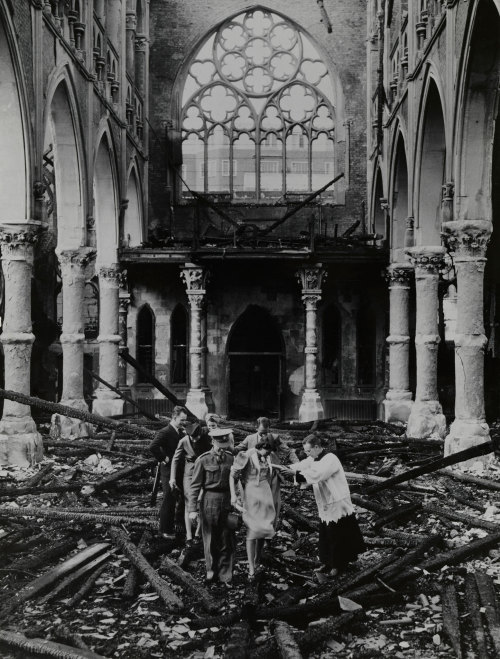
478, 101
431, 158
399, 197
15, 172
231, 150
63, 156
378, 215
132, 229
255, 350
106, 200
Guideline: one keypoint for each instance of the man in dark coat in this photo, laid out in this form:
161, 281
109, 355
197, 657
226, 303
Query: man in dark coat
163, 448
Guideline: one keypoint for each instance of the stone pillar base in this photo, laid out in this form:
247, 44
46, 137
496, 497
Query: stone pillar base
311, 407
397, 406
65, 427
196, 402
426, 420
108, 406
465, 433
20, 442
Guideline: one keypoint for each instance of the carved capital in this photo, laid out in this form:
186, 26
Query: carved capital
311, 278
141, 43
130, 21
311, 300
467, 239
124, 303
399, 275
196, 300
17, 240
76, 257
427, 260
111, 274
195, 278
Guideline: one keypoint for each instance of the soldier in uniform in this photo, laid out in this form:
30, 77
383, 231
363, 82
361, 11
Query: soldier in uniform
211, 473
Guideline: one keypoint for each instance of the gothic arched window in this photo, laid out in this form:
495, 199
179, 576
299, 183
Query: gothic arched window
258, 117
145, 341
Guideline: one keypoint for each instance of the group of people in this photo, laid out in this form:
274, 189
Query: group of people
205, 478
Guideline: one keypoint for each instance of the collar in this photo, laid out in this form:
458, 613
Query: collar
321, 455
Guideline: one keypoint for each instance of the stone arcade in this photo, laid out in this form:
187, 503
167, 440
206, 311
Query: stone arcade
166, 192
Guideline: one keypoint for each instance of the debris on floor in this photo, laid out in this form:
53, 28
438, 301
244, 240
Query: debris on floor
84, 573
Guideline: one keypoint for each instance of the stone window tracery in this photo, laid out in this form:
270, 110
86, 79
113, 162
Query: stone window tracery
257, 91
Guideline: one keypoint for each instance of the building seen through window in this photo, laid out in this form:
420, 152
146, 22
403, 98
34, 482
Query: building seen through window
258, 115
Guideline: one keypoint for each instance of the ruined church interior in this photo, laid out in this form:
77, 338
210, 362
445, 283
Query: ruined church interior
287, 210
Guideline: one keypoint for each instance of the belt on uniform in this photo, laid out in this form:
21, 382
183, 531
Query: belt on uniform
218, 490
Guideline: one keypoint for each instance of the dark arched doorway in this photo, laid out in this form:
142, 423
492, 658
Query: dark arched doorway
255, 351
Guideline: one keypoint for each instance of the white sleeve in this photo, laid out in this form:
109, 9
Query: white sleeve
315, 472
300, 466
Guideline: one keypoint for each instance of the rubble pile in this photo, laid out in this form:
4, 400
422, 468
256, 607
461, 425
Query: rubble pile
84, 573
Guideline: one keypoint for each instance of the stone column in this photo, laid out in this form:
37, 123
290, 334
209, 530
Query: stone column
130, 30
310, 277
20, 443
195, 279
468, 241
124, 303
141, 44
108, 403
73, 264
398, 402
426, 417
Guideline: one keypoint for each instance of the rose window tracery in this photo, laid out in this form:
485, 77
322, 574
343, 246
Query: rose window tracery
258, 112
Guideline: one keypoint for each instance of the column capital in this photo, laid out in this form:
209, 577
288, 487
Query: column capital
399, 275
311, 300
196, 300
195, 278
427, 260
311, 277
124, 303
76, 257
112, 275
130, 20
16, 240
468, 239
141, 42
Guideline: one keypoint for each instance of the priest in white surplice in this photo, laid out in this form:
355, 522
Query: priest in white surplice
340, 539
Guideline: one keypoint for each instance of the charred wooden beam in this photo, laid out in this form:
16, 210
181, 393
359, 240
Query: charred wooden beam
489, 603
105, 482
299, 520
48, 578
65, 410
472, 599
237, 643
6, 493
451, 621
473, 452
68, 581
122, 395
41, 646
285, 641
86, 587
147, 377
170, 599
73, 516
189, 583
468, 520
472, 480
